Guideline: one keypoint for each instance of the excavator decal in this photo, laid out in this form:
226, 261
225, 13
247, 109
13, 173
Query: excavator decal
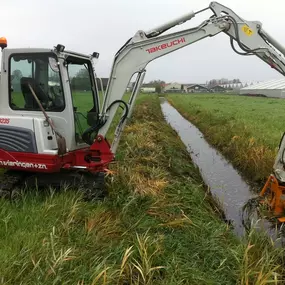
5, 121
247, 30
167, 45
23, 164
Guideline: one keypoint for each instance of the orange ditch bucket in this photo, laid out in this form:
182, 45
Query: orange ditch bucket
275, 197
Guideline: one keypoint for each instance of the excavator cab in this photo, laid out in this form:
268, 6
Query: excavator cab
49, 110
36, 83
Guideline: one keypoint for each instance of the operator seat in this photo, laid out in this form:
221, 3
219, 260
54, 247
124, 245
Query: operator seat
30, 102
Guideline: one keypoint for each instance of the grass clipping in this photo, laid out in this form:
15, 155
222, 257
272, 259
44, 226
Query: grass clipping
142, 168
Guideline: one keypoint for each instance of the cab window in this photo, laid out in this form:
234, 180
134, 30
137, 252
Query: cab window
35, 74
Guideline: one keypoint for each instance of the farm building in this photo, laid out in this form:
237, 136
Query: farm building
233, 86
174, 88
273, 88
197, 88
218, 88
148, 88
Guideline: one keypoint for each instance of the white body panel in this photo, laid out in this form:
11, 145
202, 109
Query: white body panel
43, 132
45, 138
34, 120
18, 121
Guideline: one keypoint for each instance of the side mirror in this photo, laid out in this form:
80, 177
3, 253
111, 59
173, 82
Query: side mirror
95, 54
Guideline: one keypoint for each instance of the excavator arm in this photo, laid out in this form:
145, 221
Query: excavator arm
251, 38
144, 47
133, 57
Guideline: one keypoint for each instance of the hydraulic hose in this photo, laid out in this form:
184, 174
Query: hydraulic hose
241, 45
246, 50
86, 136
235, 50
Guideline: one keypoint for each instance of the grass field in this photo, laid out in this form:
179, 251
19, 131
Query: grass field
157, 226
247, 130
82, 100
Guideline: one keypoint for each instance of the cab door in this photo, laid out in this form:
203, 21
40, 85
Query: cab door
84, 96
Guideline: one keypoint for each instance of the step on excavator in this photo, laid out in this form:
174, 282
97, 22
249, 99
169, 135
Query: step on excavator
53, 131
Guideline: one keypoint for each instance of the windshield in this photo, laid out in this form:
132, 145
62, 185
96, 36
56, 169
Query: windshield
83, 94
37, 72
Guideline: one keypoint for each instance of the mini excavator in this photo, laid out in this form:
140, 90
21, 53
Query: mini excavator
47, 138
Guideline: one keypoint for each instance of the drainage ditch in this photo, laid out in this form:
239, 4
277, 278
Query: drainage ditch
225, 183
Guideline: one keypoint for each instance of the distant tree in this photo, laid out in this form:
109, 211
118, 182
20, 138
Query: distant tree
158, 85
221, 81
54, 77
16, 79
82, 73
155, 82
81, 81
17, 74
212, 83
158, 89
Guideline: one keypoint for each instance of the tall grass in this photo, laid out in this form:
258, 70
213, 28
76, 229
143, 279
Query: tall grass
263, 261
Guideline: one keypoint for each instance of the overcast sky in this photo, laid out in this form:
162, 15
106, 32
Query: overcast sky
104, 26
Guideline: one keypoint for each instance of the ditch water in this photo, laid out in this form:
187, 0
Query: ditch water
224, 181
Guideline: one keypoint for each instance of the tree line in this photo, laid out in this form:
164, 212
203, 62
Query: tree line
222, 81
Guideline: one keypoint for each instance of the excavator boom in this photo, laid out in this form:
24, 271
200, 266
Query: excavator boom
144, 47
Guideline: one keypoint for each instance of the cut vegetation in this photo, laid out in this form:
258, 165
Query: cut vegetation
157, 226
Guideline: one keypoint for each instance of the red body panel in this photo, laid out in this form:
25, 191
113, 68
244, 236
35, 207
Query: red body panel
94, 159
